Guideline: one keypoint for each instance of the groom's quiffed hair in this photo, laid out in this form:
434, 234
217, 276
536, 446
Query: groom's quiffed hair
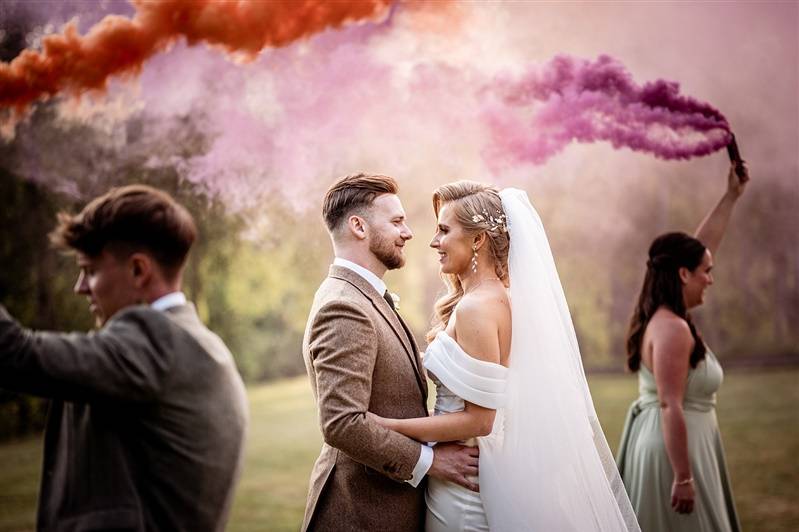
130, 219
354, 192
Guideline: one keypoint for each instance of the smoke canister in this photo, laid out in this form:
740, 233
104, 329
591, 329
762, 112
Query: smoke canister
735, 156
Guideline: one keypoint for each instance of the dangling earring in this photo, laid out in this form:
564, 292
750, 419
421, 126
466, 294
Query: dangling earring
474, 258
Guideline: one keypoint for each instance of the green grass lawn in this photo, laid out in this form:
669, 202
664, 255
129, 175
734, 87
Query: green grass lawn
758, 413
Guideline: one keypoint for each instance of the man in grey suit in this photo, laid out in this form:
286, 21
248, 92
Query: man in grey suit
361, 357
149, 414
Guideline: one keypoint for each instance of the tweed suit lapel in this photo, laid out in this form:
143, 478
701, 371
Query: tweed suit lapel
388, 314
415, 353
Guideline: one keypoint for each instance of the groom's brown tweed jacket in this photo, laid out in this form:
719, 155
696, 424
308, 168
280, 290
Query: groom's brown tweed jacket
360, 359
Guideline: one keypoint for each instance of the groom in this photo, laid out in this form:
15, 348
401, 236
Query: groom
361, 356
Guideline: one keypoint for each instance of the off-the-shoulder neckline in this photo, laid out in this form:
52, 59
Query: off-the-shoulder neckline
475, 359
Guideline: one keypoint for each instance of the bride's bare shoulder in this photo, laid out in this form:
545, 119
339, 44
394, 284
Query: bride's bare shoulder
487, 291
489, 301
480, 315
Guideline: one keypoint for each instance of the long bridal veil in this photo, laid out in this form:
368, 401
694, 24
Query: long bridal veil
551, 467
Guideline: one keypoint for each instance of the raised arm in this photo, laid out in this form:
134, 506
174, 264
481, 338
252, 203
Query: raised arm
711, 230
344, 354
477, 332
672, 346
118, 362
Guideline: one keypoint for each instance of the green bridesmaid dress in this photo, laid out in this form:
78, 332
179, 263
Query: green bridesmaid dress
645, 466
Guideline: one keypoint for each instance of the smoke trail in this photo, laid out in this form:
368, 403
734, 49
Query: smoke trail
394, 96
73, 63
535, 116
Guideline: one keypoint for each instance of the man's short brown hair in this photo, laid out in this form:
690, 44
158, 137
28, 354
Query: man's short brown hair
129, 219
354, 192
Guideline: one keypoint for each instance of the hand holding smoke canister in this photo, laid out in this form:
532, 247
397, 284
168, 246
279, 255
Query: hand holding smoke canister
735, 158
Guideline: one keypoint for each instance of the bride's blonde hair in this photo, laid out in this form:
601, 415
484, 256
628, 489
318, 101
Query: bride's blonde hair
478, 208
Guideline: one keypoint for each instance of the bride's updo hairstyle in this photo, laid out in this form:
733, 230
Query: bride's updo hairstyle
663, 287
477, 208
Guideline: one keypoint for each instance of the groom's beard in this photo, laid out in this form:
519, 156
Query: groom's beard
386, 252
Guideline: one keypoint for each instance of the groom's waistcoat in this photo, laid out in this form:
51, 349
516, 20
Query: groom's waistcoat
360, 359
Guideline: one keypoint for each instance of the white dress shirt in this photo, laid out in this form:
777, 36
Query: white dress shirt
426, 456
174, 299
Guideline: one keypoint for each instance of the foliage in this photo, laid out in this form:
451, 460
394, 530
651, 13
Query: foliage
253, 272
253, 288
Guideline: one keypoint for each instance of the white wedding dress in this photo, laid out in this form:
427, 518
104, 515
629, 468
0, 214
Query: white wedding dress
545, 466
458, 377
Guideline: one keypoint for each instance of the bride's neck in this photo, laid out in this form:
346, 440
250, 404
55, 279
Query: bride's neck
471, 280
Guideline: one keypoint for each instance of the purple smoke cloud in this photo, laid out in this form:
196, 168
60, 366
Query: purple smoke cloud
386, 96
537, 115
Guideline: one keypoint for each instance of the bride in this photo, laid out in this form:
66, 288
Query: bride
509, 379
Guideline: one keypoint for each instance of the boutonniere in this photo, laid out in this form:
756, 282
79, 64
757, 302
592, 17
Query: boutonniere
396, 299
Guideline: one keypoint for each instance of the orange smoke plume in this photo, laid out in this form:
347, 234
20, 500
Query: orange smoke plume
117, 45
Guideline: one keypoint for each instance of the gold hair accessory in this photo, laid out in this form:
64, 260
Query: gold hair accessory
498, 222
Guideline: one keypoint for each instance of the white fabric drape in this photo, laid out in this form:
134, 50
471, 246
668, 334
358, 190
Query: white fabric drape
474, 380
550, 469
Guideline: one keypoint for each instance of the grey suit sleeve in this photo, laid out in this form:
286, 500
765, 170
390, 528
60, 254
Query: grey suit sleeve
121, 361
343, 369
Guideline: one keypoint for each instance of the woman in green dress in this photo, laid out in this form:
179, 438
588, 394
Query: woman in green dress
671, 457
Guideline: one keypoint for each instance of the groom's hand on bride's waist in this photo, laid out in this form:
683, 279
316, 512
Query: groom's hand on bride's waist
455, 463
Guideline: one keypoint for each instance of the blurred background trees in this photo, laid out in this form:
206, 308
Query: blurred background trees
255, 268
253, 272
252, 288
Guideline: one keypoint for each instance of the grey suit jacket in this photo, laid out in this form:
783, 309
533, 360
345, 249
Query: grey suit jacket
147, 423
359, 358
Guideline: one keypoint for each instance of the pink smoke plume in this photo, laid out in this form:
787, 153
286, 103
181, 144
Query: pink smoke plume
372, 96
535, 116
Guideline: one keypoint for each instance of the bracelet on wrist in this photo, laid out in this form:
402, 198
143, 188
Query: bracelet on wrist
688, 480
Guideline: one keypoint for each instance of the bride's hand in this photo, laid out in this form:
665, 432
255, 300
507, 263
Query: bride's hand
383, 421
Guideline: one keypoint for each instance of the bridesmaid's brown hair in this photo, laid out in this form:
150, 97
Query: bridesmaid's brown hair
662, 287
